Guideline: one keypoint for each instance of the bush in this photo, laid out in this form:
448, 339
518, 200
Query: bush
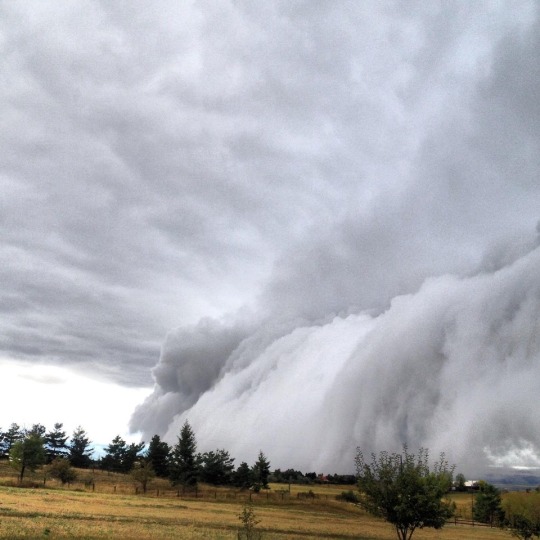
249, 522
307, 494
348, 496
523, 514
60, 468
487, 505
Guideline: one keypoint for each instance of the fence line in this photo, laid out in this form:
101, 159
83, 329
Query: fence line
470, 522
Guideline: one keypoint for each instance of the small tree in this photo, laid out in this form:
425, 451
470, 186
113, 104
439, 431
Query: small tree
142, 473
460, 482
27, 454
524, 528
10, 437
184, 466
249, 522
403, 490
60, 468
261, 472
79, 451
487, 506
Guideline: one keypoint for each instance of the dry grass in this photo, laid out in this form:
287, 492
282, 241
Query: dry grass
78, 512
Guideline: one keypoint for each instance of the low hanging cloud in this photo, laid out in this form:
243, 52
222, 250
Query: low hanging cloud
453, 366
409, 317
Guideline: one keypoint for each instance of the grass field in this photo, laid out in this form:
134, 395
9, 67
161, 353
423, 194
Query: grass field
111, 509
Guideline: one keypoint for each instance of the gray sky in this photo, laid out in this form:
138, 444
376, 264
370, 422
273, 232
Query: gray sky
225, 172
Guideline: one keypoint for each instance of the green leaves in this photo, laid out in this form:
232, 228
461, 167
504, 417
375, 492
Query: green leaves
403, 490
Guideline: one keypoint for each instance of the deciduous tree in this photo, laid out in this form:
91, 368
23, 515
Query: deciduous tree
522, 514
142, 473
460, 482
60, 468
403, 490
27, 454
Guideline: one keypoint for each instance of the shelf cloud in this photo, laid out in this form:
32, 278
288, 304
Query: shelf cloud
306, 226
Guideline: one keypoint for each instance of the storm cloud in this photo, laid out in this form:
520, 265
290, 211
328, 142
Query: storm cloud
294, 207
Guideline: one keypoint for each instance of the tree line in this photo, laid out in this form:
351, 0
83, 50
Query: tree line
402, 488
181, 463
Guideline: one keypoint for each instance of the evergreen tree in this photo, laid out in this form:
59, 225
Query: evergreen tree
487, 505
114, 455
55, 443
38, 430
158, 455
119, 456
184, 467
10, 437
243, 476
261, 471
216, 467
132, 454
79, 451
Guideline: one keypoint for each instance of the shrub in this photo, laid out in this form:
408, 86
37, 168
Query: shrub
348, 496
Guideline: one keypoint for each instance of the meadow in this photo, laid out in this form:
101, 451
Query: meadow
106, 506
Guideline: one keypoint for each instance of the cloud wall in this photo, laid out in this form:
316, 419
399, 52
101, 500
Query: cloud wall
453, 366
405, 308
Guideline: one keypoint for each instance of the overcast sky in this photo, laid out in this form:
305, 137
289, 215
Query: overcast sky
185, 184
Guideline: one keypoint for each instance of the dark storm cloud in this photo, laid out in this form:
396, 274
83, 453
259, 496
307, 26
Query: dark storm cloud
248, 172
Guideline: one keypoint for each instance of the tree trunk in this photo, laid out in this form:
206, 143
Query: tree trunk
404, 533
23, 466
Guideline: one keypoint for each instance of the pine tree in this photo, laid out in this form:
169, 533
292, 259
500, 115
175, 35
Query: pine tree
261, 471
80, 453
114, 455
132, 454
38, 430
55, 443
158, 455
243, 476
184, 467
487, 505
119, 456
10, 437
216, 467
